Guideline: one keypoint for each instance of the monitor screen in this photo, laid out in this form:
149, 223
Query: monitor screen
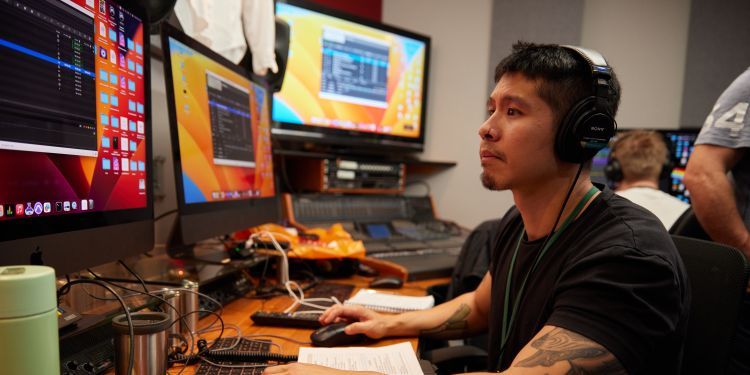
351, 81
220, 125
74, 123
680, 144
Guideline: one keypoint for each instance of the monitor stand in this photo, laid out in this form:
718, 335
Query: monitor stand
205, 252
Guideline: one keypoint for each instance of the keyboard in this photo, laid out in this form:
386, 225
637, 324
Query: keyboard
282, 319
245, 345
342, 292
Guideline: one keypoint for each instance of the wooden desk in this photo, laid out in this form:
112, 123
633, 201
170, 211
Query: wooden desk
238, 312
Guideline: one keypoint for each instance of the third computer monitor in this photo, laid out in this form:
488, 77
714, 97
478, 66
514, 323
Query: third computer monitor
220, 126
351, 82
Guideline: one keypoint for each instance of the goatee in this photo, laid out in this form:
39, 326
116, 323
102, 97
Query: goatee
488, 183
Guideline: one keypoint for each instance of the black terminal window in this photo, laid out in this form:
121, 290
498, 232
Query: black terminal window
47, 78
231, 131
355, 68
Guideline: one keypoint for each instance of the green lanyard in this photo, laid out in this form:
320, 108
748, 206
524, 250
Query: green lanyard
508, 320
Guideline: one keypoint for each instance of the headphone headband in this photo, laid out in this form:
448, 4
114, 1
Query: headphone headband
589, 124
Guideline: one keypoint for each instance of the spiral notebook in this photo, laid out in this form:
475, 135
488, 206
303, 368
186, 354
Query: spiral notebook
386, 302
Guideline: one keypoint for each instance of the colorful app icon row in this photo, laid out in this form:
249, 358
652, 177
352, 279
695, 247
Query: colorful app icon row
39, 208
119, 38
123, 123
123, 164
234, 194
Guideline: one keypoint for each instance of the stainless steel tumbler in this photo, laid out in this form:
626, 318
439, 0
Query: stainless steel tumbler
150, 339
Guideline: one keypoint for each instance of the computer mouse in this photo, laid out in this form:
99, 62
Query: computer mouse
334, 335
387, 282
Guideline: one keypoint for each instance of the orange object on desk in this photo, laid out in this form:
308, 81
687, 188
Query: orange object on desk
316, 243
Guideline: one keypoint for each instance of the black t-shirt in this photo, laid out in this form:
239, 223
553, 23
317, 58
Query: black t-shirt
613, 276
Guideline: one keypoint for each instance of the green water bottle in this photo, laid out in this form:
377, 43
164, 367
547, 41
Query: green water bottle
29, 343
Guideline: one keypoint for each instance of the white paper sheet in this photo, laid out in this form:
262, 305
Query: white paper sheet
393, 359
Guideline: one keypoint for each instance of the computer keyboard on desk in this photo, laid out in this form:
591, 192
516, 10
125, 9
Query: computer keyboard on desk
244, 345
287, 320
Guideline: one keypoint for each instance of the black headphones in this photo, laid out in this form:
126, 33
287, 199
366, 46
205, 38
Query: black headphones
589, 124
613, 169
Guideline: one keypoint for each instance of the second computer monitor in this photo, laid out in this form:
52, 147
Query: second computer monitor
220, 126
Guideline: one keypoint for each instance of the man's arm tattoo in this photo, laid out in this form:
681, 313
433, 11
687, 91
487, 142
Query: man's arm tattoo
583, 355
454, 324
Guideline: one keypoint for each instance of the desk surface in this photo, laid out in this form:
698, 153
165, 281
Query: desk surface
238, 312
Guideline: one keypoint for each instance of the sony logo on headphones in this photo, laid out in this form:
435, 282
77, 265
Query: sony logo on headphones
597, 128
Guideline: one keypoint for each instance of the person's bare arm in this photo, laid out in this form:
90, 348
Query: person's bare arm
556, 350
459, 317
712, 196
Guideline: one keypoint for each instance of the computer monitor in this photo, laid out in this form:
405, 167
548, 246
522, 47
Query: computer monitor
351, 82
220, 130
680, 144
75, 133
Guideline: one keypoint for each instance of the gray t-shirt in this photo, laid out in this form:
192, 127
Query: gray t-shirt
728, 125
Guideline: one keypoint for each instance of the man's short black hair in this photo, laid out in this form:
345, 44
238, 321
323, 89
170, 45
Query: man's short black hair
563, 77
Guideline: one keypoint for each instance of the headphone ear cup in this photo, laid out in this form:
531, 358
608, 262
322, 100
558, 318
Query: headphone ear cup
583, 132
567, 144
613, 170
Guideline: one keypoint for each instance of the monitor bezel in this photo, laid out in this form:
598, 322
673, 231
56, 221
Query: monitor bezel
51, 239
217, 217
287, 133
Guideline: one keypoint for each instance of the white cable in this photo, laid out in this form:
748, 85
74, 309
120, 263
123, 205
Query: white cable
297, 299
301, 300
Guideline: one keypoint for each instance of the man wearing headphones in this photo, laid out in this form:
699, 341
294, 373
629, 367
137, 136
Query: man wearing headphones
636, 161
582, 280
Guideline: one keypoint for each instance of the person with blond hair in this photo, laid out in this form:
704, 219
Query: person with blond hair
637, 160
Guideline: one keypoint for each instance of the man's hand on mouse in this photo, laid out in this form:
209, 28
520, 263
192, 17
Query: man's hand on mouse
366, 321
307, 369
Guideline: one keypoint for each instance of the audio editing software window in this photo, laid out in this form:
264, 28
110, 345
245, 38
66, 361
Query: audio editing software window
73, 134
355, 68
48, 84
231, 131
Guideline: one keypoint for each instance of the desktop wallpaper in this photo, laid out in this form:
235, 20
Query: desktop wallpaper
203, 179
349, 76
49, 174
